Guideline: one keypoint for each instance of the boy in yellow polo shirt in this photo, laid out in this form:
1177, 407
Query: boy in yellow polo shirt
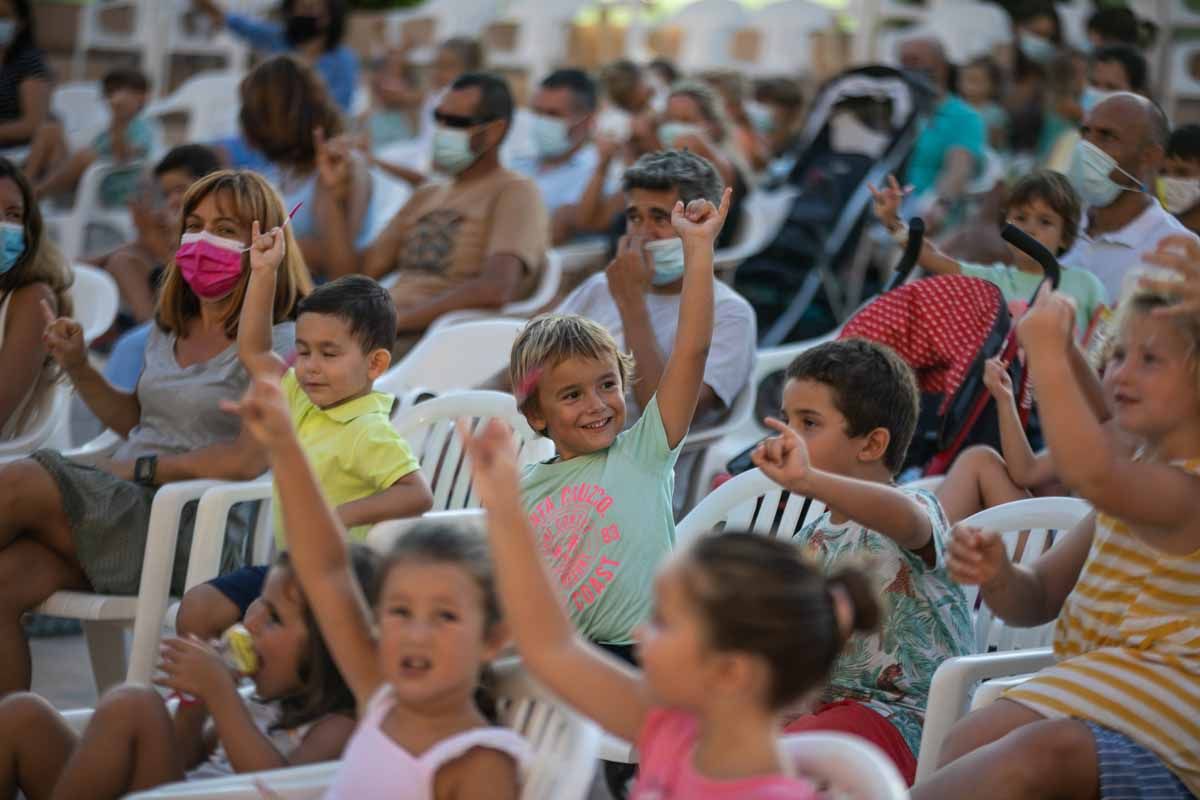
345, 331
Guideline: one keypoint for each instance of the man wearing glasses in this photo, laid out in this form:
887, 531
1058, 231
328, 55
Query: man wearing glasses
474, 241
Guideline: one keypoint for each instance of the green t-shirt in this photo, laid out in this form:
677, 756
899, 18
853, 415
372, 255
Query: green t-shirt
603, 524
1080, 285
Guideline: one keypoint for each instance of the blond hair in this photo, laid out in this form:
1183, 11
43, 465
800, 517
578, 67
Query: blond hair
1144, 301
553, 338
250, 198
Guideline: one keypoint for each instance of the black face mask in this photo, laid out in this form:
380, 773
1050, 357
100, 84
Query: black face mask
301, 29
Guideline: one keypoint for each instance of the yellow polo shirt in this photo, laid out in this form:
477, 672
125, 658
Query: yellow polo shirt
353, 448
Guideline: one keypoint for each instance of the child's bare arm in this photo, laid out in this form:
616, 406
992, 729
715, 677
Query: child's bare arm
596, 684
408, 497
1024, 596
1159, 502
887, 211
255, 323
67, 176
877, 506
1024, 467
315, 537
679, 389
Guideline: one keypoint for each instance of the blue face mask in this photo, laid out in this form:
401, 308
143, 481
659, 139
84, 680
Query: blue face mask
668, 260
13, 236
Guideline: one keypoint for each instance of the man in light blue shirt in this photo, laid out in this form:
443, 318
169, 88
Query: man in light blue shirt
564, 110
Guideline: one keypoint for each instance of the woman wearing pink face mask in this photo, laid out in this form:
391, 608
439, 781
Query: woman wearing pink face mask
67, 525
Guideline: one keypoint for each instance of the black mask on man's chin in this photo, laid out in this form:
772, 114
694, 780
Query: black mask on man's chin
301, 29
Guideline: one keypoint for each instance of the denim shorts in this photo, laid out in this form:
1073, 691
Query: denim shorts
242, 586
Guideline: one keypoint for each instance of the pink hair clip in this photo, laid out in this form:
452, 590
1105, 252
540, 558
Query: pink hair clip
523, 390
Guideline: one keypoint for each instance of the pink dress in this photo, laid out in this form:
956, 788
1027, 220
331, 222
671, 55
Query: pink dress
667, 745
376, 768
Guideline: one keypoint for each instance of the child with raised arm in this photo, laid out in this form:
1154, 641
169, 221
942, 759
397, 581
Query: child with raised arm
414, 653
1118, 715
602, 506
851, 408
1043, 205
344, 335
742, 626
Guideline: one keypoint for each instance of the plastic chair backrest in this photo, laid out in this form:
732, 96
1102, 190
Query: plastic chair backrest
750, 502
455, 357
45, 426
80, 108
1028, 526
846, 766
548, 285
429, 429
97, 300
211, 102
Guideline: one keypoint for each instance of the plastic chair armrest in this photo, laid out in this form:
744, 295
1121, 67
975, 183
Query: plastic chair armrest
211, 517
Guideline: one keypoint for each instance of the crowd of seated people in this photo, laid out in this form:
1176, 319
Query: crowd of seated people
278, 274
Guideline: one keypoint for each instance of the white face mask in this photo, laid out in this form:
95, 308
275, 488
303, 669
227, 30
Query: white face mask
551, 136
452, 150
670, 132
762, 119
1179, 194
1036, 48
668, 260
1089, 174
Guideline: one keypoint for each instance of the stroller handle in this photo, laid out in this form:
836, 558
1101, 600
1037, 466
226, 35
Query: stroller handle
1026, 243
912, 249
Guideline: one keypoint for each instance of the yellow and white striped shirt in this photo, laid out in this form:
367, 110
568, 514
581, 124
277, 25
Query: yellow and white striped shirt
1128, 648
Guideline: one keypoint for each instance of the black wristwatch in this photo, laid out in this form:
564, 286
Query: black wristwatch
144, 470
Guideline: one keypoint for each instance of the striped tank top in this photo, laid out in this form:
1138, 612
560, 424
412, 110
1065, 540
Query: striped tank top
1127, 643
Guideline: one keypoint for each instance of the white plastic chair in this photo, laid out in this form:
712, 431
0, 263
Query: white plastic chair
563, 744
1002, 650
456, 357
47, 429
784, 28
189, 33
707, 28
749, 502
1184, 84
71, 224
97, 300
211, 102
429, 429
143, 40
850, 766
549, 282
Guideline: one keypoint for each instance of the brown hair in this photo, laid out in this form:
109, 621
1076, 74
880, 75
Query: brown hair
1053, 189
760, 595
283, 101
250, 198
42, 261
872, 388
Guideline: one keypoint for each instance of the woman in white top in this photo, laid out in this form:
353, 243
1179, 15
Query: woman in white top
32, 271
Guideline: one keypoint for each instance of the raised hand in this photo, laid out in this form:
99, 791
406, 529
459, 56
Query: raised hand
263, 408
194, 668
888, 200
700, 221
266, 249
783, 458
1049, 323
493, 453
996, 379
975, 557
1180, 254
64, 339
333, 163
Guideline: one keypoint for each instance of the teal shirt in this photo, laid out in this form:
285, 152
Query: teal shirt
119, 186
1080, 285
953, 124
603, 523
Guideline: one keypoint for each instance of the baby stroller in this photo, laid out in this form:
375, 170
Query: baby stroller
863, 125
946, 327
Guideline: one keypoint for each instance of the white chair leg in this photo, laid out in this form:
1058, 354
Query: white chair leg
106, 647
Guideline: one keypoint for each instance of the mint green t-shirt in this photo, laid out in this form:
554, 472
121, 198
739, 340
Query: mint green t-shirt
603, 524
1080, 285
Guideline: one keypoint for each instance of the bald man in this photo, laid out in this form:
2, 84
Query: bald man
1122, 145
949, 150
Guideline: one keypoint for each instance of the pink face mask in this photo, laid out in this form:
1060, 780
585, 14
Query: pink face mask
210, 264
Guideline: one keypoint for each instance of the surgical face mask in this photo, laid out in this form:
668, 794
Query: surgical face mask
670, 132
211, 265
1093, 97
13, 238
762, 119
1179, 194
668, 260
1036, 48
551, 136
452, 150
8, 30
1089, 171
614, 123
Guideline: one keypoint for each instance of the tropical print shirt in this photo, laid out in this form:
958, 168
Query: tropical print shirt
925, 617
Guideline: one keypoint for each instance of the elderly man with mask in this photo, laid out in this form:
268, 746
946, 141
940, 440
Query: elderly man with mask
637, 296
1123, 140
949, 150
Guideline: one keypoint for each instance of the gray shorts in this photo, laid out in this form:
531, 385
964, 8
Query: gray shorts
109, 519
1129, 771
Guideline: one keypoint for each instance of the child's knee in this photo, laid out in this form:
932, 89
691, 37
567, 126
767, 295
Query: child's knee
1046, 753
980, 457
205, 612
129, 703
24, 712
